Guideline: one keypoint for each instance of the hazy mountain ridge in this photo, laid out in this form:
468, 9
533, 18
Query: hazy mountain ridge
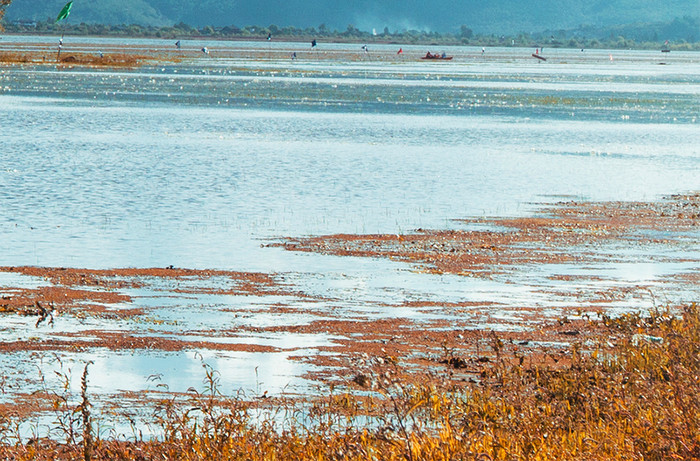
497, 16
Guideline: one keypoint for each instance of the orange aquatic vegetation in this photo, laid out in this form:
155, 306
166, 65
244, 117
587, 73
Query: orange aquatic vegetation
566, 232
247, 282
562, 232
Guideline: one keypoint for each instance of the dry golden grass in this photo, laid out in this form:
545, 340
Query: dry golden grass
632, 395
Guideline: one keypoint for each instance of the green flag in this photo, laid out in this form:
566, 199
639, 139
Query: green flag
65, 11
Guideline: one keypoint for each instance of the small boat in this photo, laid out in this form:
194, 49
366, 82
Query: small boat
537, 55
442, 57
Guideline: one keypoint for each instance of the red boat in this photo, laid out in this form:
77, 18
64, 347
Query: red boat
441, 57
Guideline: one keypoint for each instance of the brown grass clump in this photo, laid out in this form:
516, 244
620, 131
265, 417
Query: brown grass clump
108, 60
17, 58
631, 395
76, 59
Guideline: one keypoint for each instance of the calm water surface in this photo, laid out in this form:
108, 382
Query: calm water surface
193, 164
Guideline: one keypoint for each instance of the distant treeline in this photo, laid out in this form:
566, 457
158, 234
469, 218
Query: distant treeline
635, 36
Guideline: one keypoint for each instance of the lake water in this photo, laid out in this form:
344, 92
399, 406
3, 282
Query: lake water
198, 164
192, 164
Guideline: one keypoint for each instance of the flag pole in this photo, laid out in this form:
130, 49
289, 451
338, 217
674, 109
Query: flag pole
65, 11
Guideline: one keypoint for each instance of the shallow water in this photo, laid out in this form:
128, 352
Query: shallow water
190, 164
199, 164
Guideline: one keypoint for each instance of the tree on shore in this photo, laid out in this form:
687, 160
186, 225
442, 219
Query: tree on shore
3, 5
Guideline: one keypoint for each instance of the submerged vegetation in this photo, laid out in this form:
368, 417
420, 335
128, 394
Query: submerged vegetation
629, 391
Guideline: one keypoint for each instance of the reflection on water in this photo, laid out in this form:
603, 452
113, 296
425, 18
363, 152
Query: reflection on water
112, 373
117, 185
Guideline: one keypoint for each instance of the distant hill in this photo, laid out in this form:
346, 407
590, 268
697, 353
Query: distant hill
494, 16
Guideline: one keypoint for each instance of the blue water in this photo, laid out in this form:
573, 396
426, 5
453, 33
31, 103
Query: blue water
193, 163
